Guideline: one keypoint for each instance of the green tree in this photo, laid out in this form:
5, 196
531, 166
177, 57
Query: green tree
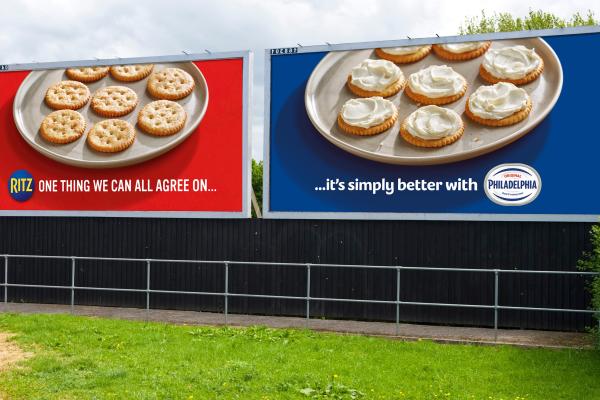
591, 262
538, 19
257, 183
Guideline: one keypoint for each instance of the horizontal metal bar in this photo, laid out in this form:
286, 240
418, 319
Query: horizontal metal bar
410, 303
532, 271
353, 300
269, 296
24, 285
458, 305
331, 299
269, 263
186, 292
35, 256
567, 310
75, 287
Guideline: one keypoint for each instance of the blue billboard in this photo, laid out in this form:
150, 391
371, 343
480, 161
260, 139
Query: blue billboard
492, 127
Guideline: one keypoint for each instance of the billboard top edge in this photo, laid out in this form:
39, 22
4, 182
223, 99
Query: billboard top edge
580, 30
245, 54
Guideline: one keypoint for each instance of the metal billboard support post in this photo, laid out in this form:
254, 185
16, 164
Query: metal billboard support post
72, 285
147, 288
5, 280
226, 292
496, 273
397, 301
307, 295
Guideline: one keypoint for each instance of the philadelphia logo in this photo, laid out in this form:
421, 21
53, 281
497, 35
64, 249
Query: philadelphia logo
512, 184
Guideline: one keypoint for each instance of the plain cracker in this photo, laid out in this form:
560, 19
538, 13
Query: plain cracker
131, 73
162, 118
71, 95
170, 84
111, 136
114, 101
62, 126
87, 74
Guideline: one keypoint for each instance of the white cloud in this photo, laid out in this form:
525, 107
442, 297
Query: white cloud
66, 30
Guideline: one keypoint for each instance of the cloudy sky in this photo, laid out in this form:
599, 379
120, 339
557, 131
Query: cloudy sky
57, 30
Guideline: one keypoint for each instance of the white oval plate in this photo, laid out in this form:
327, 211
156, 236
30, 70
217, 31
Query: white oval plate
29, 109
326, 92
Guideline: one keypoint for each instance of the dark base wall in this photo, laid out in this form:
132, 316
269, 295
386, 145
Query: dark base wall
503, 245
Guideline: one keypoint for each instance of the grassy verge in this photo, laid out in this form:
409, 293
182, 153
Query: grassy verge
87, 358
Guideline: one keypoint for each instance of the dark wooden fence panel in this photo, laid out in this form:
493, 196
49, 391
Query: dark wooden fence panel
503, 245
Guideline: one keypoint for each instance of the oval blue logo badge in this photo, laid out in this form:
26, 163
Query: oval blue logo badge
21, 185
512, 184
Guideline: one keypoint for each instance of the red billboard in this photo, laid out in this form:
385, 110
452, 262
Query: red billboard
155, 137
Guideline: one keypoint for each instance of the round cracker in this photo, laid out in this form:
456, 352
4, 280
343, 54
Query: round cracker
71, 95
131, 73
422, 99
433, 143
111, 136
510, 120
87, 74
114, 101
391, 90
530, 77
467, 55
373, 130
162, 118
62, 126
170, 84
404, 58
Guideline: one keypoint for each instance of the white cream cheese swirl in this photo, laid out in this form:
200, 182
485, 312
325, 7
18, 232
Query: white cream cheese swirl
513, 62
464, 47
497, 101
403, 50
436, 81
375, 75
433, 122
367, 112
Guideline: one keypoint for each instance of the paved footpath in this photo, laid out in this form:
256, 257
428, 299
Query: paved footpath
446, 334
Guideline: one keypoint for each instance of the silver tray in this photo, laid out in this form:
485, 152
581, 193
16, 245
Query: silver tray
29, 109
326, 92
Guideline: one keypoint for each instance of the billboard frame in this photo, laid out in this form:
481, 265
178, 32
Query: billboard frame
247, 74
278, 52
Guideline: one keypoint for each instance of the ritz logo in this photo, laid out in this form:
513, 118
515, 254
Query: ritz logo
512, 184
21, 185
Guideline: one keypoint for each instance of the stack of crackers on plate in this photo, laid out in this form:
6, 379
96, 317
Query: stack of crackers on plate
162, 117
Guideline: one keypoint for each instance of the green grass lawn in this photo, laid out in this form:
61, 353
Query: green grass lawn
89, 358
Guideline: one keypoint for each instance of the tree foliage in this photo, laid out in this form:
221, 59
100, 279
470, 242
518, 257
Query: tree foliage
257, 183
535, 19
591, 262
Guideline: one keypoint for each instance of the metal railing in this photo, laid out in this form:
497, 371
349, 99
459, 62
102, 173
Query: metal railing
226, 294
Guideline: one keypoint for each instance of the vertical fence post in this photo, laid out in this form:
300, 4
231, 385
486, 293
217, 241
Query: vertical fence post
226, 293
147, 288
5, 280
307, 295
496, 273
397, 301
72, 284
